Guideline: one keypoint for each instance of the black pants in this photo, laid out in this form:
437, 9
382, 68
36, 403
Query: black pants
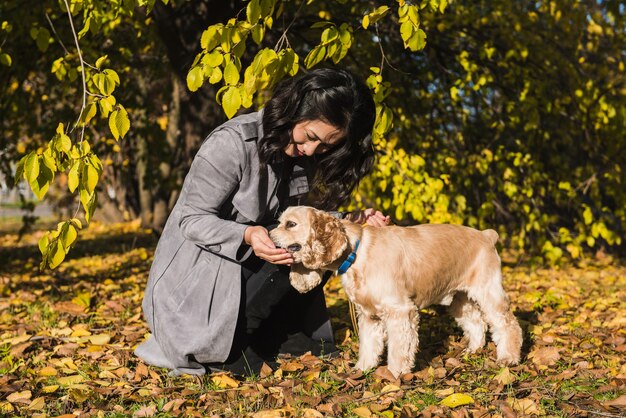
274, 318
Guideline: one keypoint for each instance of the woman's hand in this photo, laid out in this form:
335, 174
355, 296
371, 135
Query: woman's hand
264, 248
369, 216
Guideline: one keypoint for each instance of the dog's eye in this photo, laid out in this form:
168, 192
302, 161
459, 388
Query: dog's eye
290, 224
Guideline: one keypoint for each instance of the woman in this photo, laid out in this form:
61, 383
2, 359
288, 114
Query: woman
218, 294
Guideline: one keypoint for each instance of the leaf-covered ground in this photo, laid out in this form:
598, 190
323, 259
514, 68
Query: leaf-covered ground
66, 341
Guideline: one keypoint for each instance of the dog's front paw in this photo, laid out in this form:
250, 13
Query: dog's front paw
399, 371
364, 364
508, 359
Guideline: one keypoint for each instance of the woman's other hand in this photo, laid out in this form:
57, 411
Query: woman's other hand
264, 248
369, 216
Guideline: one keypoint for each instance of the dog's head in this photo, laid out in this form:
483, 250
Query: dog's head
314, 238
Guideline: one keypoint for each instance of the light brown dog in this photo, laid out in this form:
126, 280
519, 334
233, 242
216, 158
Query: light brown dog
399, 270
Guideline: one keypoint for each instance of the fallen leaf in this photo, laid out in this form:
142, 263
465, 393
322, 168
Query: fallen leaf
6, 407
362, 411
47, 371
70, 380
37, 404
100, 339
291, 366
456, 399
442, 393
224, 381
80, 393
619, 402
50, 388
504, 376
266, 370
311, 413
545, 356
525, 406
20, 397
145, 411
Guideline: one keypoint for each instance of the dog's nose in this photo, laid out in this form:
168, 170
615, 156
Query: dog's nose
294, 247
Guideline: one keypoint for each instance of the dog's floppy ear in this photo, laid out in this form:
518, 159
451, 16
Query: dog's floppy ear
303, 279
327, 241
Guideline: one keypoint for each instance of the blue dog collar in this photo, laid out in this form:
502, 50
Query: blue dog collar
349, 261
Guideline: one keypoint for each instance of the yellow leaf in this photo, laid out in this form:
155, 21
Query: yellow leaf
195, 78
48, 371
225, 381
50, 389
70, 380
362, 411
37, 404
100, 339
80, 332
231, 101
6, 407
83, 299
456, 399
80, 393
505, 377
390, 388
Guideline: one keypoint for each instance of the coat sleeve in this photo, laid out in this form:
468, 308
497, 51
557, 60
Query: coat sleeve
214, 176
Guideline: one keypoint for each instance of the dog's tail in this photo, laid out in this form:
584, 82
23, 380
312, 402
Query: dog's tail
491, 235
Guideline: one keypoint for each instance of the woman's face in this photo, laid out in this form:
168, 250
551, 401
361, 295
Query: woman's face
312, 137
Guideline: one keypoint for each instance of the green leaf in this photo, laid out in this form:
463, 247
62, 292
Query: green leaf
31, 167
231, 75
211, 37
43, 39
112, 76
406, 31
195, 78
73, 177
119, 124
253, 12
100, 61
456, 399
89, 201
19, 170
5, 59
216, 75
68, 236
77, 223
89, 112
89, 178
231, 101
417, 41
43, 244
315, 56
213, 59
56, 255
258, 32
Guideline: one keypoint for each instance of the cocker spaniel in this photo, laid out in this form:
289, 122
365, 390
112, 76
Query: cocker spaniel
392, 272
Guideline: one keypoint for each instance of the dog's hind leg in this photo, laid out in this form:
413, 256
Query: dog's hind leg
505, 330
371, 341
469, 317
403, 339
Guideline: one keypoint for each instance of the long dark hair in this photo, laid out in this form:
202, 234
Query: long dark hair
338, 98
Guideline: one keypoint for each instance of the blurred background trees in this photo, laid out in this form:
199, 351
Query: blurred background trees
508, 115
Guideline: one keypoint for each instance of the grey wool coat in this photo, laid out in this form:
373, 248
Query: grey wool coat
192, 298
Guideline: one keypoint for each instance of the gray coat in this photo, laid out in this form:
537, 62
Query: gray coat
193, 293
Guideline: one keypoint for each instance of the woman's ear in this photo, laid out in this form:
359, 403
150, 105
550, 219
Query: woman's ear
327, 241
303, 279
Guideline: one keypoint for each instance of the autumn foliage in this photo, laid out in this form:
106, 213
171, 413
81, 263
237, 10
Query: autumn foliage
67, 338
